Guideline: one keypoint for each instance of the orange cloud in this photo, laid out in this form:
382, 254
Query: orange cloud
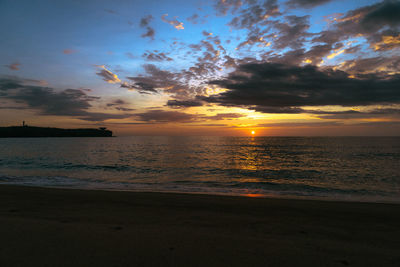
13, 66
69, 51
107, 75
387, 42
174, 22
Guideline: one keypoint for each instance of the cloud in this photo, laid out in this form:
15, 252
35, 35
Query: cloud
379, 64
387, 42
224, 116
165, 116
157, 79
376, 113
13, 82
13, 66
384, 13
184, 103
107, 75
301, 124
119, 104
193, 19
378, 24
196, 19
149, 33
305, 3
154, 56
255, 14
280, 88
292, 32
69, 51
98, 116
174, 22
47, 101
223, 6
254, 37
144, 23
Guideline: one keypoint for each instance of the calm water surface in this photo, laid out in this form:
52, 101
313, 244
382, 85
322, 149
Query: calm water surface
346, 168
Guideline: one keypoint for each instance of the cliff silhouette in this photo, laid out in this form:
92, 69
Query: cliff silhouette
31, 131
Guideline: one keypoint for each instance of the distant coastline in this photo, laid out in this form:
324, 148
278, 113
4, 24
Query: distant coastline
31, 131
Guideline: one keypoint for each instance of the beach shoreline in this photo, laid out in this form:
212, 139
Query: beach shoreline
72, 227
224, 192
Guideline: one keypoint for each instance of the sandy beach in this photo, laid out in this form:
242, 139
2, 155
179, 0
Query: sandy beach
63, 227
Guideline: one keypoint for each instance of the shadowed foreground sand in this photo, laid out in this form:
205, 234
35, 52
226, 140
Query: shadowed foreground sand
57, 227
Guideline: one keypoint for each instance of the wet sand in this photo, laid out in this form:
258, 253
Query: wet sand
62, 227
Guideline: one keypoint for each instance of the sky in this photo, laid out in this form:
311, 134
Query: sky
194, 67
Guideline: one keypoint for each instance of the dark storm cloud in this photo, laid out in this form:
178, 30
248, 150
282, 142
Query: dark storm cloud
13, 82
69, 102
13, 107
9, 83
380, 123
156, 56
144, 23
279, 88
377, 113
305, 3
184, 103
385, 13
372, 64
165, 116
378, 23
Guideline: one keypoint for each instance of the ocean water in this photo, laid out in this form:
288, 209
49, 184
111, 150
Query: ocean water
341, 168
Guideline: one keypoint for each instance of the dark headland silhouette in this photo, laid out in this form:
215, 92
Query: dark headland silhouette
31, 131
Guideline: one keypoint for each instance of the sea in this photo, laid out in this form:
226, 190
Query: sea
330, 168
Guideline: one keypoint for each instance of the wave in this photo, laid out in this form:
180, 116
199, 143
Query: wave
269, 189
